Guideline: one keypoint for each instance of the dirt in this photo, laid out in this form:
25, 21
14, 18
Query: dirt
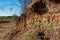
7, 31
43, 14
42, 18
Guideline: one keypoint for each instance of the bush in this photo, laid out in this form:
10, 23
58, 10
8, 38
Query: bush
14, 17
30, 36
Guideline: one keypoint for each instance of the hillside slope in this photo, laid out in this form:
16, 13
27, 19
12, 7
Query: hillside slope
42, 18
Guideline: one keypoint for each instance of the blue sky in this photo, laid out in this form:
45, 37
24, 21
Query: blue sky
10, 7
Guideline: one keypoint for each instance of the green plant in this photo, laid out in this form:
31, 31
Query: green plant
14, 17
30, 36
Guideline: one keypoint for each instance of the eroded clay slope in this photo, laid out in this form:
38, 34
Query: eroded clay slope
43, 15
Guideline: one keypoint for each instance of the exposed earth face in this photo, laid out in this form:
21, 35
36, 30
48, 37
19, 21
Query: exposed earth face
44, 15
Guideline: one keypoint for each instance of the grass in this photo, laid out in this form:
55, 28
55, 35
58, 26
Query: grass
30, 36
7, 19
